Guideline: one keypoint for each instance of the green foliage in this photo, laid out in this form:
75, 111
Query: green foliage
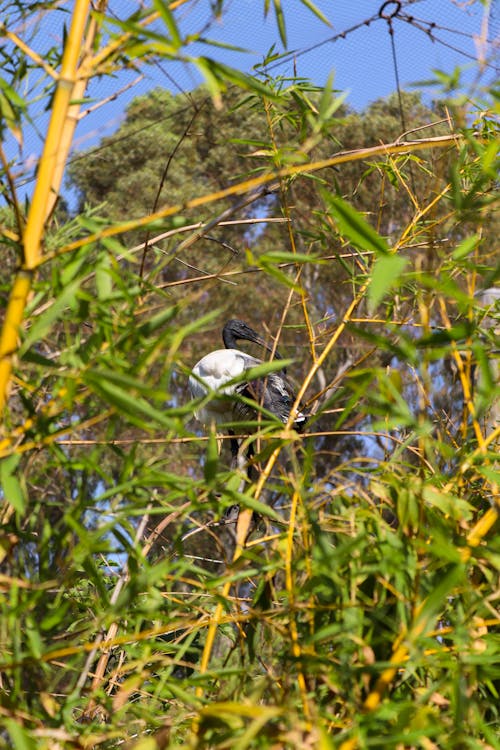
362, 610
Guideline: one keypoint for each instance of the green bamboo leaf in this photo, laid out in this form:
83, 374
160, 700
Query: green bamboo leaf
121, 379
283, 256
211, 458
33, 638
20, 738
43, 322
217, 75
157, 321
354, 226
8, 114
491, 474
168, 19
489, 160
11, 486
280, 276
408, 509
328, 103
12, 94
280, 20
193, 327
116, 248
139, 34
260, 371
103, 279
11, 105
458, 332
312, 7
213, 84
466, 247
452, 505
247, 501
219, 44
436, 601
385, 275
38, 359
135, 408
73, 265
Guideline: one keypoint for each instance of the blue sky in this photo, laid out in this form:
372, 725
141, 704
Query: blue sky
361, 61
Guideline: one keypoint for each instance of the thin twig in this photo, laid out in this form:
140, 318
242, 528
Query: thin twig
343, 157
171, 156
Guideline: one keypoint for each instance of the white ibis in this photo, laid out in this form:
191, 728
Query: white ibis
218, 368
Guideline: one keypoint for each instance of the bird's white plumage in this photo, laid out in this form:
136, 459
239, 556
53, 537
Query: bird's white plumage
225, 401
212, 373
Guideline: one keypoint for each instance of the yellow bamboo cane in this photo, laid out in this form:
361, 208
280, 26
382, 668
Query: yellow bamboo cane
42, 202
13, 317
254, 182
73, 109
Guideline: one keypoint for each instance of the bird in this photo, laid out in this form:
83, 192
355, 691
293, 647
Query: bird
216, 371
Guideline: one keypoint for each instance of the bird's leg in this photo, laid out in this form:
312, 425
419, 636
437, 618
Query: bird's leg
240, 460
235, 450
245, 459
245, 465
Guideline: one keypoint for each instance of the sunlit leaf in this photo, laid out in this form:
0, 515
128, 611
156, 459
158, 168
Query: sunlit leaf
466, 247
12, 489
280, 20
329, 103
454, 506
218, 75
110, 387
435, 602
103, 279
317, 12
282, 256
21, 739
168, 19
354, 226
245, 500
45, 320
211, 458
386, 273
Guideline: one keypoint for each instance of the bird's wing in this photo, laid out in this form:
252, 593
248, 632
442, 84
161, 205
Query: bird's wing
276, 395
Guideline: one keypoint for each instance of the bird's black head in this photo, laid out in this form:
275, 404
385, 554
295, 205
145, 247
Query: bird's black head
235, 330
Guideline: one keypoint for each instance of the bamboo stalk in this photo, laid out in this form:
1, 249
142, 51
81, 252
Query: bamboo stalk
42, 202
72, 116
10, 330
292, 625
58, 121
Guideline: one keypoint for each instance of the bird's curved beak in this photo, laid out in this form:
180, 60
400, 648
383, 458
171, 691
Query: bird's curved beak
259, 340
